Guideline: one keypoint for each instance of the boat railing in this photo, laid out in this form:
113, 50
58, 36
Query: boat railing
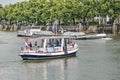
39, 49
49, 48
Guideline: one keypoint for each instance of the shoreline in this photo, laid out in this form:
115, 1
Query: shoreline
92, 29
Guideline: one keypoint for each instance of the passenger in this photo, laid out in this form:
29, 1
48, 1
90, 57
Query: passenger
35, 43
57, 43
30, 45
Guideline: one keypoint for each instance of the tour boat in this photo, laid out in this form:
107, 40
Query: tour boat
48, 47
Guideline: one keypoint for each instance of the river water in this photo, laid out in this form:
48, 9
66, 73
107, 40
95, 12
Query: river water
95, 60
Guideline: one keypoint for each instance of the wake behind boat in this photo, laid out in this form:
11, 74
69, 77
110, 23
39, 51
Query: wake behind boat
48, 47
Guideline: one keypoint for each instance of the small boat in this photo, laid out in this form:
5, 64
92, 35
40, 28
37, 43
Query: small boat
73, 33
43, 33
33, 31
28, 31
91, 37
48, 47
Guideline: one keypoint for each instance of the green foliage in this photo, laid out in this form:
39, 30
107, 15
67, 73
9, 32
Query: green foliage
1, 12
40, 12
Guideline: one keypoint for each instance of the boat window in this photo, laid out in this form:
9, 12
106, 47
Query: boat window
68, 41
37, 42
58, 42
42, 43
53, 42
49, 42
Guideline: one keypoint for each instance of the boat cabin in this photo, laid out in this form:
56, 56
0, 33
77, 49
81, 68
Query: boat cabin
49, 44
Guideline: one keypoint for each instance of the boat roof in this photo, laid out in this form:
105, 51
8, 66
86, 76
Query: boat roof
52, 37
74, 33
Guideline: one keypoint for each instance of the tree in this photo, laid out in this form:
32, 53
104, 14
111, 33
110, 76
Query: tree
70, 12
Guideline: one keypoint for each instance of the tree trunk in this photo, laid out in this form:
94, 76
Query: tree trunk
84, 20
59, 22
73, 21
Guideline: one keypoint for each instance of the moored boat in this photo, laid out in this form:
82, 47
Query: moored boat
28, 31
92, 36
48, 47
33, 31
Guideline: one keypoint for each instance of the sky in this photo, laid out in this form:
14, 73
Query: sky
6, 2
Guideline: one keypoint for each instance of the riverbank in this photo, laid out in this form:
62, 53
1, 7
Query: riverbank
8, 28
108, 29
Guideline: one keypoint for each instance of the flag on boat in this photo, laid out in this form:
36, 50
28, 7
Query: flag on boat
26, 42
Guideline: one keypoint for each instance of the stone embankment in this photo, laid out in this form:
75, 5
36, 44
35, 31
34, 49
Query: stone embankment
8, 28
91, 29
109, 29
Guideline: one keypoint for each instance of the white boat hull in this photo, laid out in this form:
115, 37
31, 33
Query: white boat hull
90, 37
33, 55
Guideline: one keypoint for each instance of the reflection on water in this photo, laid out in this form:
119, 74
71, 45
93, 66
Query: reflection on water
55, 69
48, 69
